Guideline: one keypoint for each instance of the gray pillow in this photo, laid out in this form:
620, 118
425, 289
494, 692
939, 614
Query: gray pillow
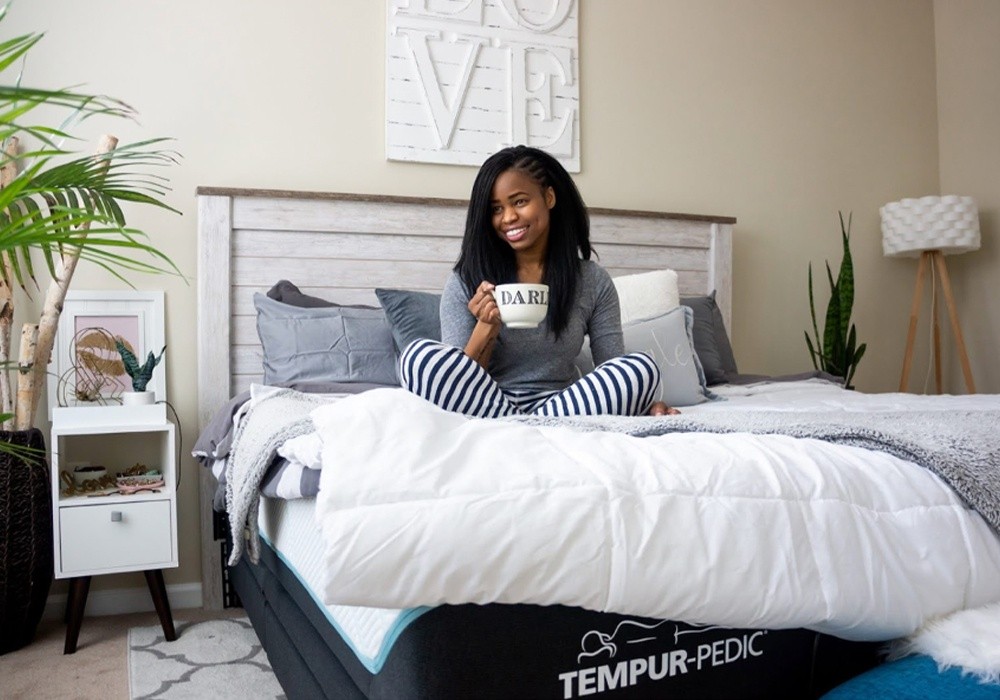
332, 344
411, 315
711, 341
287, 293
668, 340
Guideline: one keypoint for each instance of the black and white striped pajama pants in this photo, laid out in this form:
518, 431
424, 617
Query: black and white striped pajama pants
446, 376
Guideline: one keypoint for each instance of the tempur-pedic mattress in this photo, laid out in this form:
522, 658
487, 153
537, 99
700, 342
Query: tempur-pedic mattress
503, 651
289, 528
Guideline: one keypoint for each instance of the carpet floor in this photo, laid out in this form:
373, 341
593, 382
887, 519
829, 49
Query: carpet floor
210, 659
99, 668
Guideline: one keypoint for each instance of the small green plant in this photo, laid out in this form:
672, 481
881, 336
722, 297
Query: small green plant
141, 374
839, 353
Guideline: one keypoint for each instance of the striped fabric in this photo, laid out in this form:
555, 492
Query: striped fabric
447, 377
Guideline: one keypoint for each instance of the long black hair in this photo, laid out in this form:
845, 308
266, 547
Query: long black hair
485, 256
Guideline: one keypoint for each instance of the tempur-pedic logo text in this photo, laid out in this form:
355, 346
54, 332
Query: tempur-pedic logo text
628, 635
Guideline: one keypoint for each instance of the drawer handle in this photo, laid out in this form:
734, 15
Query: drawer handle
116, 516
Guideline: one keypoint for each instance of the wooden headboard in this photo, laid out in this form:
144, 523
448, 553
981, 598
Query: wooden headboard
342, 246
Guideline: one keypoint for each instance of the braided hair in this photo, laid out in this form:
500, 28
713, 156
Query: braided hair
484, 256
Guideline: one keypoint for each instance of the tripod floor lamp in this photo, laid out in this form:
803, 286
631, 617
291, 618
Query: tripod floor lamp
930, 228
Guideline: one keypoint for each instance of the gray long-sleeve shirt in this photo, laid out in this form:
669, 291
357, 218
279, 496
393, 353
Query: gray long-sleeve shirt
531, 359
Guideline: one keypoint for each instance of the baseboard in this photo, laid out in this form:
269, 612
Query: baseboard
127, 600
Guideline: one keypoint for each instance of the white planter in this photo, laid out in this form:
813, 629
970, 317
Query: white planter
138, 398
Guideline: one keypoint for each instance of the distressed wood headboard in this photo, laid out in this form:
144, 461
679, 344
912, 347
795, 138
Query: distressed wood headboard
342, 246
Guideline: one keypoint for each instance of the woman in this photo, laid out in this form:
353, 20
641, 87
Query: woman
528, 223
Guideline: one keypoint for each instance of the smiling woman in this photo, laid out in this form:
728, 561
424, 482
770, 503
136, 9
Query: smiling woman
521, 217
527, 225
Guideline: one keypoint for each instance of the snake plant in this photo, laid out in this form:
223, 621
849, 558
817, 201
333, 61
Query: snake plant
141, 374
837, 351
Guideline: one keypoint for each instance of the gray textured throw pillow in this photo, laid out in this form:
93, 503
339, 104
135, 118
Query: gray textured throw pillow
332, 344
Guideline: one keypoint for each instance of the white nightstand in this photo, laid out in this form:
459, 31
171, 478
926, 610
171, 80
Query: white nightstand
94, 535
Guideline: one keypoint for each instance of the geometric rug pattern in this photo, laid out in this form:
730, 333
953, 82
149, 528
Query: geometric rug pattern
211, 659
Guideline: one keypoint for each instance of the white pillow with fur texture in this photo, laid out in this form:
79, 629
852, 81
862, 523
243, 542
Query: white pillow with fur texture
646, 295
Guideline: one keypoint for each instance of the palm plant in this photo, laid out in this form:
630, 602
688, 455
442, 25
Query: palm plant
60, 207
839, 353
56, 208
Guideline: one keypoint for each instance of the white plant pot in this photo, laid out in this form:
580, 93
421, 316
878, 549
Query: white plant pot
138, 398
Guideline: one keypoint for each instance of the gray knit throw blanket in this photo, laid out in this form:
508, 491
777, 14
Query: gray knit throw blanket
271, 421
961, 447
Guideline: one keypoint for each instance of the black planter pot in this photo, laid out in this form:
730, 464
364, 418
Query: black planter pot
25, 540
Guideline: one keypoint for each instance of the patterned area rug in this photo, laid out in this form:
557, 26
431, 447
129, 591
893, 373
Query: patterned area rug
211, 659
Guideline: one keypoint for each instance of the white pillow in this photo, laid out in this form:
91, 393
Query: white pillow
646, 295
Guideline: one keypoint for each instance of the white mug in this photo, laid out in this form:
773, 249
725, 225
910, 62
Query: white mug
522, 305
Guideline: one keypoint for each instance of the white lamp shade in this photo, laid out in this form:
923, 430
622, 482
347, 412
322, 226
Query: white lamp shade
911, 226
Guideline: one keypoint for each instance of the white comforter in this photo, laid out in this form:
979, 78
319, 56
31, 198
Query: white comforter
418, 506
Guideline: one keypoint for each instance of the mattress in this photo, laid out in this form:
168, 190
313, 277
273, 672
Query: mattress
507, 650
525, 650
288, 527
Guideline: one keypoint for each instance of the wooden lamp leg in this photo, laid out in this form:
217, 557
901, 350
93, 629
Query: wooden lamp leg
936, 326
955, 328
911, 336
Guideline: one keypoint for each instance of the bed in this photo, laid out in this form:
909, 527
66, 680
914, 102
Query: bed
496, 592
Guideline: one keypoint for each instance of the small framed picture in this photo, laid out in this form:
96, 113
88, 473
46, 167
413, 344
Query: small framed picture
86, 367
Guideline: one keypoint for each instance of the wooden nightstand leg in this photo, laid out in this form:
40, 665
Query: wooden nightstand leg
154, 579
78, 589
70, 598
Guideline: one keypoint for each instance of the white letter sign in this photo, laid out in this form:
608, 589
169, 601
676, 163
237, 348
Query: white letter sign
464, 78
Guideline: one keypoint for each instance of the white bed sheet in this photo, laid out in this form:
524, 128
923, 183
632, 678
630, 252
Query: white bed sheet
822, 395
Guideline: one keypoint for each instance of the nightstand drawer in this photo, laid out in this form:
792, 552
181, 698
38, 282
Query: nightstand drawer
117, 536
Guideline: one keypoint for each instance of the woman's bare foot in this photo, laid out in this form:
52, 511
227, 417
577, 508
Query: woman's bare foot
661, 409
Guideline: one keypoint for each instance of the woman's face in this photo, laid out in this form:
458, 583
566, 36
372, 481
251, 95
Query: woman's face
520, 209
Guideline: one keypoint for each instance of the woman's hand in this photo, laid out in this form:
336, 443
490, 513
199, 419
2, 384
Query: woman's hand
483, 306
661, 409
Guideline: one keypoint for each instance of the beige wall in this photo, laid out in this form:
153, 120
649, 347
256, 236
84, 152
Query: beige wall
968, 63
777, 112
